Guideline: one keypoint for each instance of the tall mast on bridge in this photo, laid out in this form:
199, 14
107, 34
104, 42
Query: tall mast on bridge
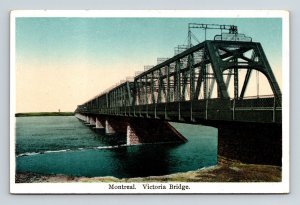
232, 29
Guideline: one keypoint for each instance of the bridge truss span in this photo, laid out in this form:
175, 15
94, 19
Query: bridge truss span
210, 83
201, 83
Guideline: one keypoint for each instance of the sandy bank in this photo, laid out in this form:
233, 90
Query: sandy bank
225, 171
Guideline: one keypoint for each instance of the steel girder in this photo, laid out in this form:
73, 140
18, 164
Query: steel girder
180, 78
192, 75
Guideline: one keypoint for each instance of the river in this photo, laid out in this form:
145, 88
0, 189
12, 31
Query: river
64, 145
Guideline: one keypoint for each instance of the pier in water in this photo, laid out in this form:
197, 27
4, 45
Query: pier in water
64, 145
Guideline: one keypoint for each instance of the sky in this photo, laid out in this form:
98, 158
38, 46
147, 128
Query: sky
63, 62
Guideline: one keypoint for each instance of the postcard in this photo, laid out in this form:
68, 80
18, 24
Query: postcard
149, 101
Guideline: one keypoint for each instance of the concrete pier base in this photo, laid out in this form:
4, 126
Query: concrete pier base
99, 124
131, 136
92, 121
151, 131
252, 143
136, 130
108, 128
80, 117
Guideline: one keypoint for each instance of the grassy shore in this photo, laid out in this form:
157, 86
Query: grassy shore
34, 114
225, 171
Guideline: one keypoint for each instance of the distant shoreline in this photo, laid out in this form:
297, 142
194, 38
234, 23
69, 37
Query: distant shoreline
34, 114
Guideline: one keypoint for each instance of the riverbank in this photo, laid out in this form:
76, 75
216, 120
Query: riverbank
37, 114
225, 171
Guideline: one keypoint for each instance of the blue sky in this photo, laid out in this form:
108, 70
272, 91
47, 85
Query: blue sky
113, 44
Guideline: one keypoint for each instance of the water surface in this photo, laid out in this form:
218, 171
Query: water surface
65, 145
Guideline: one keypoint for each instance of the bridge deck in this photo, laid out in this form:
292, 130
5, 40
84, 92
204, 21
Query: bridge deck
262, 110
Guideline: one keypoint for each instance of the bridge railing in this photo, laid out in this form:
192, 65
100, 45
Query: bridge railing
265, 109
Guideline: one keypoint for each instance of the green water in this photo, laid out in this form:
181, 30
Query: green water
64, 145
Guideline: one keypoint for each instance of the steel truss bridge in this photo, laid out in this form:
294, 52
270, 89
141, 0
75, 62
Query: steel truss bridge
196, 85
204, 83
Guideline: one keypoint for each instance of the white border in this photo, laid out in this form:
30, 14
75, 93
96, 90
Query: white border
96, 188
153, 13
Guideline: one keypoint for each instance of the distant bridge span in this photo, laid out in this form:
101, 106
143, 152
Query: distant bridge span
196, 86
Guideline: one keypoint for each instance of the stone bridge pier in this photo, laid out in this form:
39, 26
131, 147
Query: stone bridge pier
136, 130
253, 143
